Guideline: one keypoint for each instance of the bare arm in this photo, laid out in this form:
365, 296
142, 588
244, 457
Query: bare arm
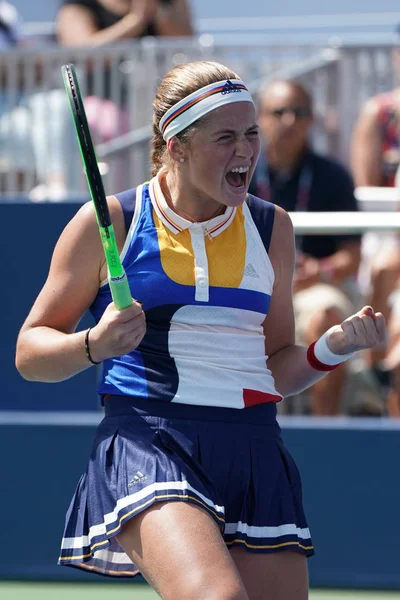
76, 26
174, 20
48, 348
366, 151
346, 261
334, 269
287, 361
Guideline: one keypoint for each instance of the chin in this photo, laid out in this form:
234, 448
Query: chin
236, 197
236, 201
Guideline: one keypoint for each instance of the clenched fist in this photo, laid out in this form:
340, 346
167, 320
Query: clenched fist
365, 329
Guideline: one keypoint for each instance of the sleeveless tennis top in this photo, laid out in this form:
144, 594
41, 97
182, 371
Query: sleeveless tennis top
389, 130
205, 289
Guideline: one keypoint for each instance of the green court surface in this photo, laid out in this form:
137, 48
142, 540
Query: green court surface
101, 591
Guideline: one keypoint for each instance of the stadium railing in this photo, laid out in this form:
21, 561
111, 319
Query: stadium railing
340, 79
378, 214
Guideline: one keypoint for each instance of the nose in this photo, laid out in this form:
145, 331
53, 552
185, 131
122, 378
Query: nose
244, 148
288, 118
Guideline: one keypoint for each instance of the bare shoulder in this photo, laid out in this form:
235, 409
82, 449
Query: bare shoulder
82, 225
66, 13
85, 219
73, 22
282, 221
372, 105
81, 238
370, 110
77, 267
282, 232
282, 246
117, 219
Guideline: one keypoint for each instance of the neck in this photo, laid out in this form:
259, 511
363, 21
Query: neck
186, 205
280, 159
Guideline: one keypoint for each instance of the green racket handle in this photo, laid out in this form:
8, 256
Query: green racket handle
120, 291
117, 279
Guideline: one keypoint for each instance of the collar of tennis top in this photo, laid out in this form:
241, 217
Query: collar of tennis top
202, 101
176, 223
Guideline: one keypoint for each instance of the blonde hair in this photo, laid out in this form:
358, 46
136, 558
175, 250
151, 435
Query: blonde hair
178, 83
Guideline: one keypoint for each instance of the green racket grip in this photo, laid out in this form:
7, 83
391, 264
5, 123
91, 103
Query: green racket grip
117, 279
120, 291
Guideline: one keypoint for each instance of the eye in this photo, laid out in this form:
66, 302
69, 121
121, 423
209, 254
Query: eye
253, 133
225, 137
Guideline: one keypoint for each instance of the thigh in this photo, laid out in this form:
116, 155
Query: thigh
276, 576
179, 550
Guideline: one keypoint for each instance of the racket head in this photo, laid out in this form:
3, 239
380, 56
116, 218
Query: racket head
86, 146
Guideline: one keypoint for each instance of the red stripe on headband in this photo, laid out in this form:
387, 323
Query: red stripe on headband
195, 101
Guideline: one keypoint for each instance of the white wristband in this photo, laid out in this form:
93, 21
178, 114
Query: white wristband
326, 356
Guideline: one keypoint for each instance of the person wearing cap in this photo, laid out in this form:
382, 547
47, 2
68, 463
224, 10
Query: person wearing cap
189, 482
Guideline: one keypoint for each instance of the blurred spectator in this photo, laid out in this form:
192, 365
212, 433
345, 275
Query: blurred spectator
375, 149
14, 127
99, 22
31, 120
10, 25
102, 22
290, 174
36, 129
375, 160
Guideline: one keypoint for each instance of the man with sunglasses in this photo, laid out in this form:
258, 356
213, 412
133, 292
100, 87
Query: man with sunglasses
292, 175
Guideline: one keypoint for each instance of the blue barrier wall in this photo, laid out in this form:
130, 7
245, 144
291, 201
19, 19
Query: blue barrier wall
350, 469
351, 496
29, 234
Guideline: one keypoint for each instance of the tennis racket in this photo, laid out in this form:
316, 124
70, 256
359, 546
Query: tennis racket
117, 278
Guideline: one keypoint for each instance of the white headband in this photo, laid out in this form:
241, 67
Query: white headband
202, 101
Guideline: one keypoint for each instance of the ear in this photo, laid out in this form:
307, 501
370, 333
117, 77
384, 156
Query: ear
176, 150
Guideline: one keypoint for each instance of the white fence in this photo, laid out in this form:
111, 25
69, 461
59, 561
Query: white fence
36, 131
338, 223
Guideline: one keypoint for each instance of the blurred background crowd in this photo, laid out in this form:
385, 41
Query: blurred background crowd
328, 99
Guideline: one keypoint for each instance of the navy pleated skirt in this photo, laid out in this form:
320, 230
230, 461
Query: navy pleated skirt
230, 462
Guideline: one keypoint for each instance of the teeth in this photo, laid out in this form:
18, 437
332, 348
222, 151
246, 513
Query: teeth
239, 170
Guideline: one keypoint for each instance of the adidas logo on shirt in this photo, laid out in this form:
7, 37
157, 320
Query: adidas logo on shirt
250, 271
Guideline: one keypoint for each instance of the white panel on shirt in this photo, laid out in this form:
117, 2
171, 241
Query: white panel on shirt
258, 274
218, 351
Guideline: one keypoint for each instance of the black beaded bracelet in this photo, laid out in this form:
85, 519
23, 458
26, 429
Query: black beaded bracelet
87, 349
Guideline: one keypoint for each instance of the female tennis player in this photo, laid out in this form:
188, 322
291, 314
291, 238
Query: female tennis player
189, 482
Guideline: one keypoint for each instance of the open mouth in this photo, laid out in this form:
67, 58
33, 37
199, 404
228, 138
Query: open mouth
237, 178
